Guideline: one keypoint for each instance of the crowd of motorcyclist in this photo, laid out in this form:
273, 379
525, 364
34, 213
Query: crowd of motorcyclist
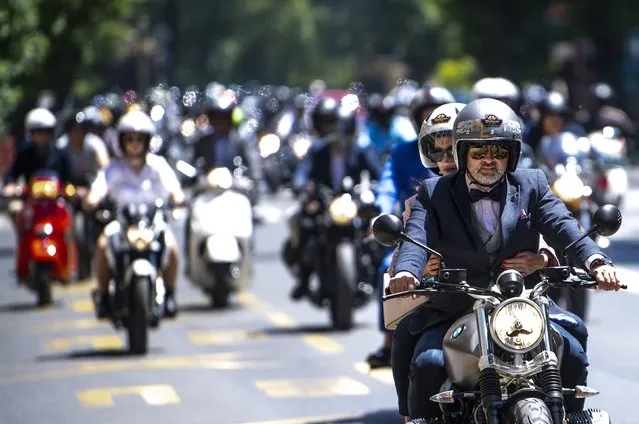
322, 144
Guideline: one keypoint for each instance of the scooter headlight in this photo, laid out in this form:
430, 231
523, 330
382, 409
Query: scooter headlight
139, 238
220, 178
342, 210
301, 146
569, 188
517, 325
269, 144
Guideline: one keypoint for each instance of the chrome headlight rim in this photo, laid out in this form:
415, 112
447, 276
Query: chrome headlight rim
510, 348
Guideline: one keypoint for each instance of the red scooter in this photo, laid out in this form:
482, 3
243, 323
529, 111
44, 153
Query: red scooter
46, 246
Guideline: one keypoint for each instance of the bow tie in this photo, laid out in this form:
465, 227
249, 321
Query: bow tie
494, 194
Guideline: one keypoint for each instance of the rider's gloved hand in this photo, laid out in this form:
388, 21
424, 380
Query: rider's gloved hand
402, 282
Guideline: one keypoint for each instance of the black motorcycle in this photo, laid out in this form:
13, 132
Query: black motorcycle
136, 251
502, 357
339, 251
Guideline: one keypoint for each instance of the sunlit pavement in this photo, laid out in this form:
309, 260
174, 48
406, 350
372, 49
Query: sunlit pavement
265, 360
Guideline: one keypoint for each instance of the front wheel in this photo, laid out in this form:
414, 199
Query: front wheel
531, 411
223, 285
42, 279
138, 328
342, 303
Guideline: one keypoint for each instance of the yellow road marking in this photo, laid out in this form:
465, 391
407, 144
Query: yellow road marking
281, 319
83, 287
323, 343
223, 337
383, 375
251, 301
318, 419
82, 306
221, 361
67, 325
107, 341
154, 395
320, 387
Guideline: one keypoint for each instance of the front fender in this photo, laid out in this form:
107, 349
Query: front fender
141, 268
223, 248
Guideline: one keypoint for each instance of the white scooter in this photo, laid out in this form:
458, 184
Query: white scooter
221, 228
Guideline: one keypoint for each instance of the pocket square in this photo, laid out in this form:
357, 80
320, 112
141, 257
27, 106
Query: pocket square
523, 216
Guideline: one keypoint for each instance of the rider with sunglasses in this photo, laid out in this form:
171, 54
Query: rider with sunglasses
436, 153
138, 176
478, 218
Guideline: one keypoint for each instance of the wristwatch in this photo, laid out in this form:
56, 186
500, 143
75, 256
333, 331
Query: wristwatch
600, 262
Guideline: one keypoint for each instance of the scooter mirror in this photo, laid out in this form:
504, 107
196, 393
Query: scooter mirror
607, 220
387, 229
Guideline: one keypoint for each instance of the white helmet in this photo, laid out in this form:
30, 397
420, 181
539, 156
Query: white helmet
40, 118
495, 88
135, 121
438, 124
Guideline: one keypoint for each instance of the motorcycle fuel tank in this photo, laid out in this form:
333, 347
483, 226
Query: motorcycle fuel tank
461, 352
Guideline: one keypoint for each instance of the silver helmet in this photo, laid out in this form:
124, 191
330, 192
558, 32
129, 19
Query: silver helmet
438, 124
487, 121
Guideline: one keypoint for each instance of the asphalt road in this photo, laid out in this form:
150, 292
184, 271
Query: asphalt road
266, 360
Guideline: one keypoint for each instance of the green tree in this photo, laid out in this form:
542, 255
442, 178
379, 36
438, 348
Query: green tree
56, 45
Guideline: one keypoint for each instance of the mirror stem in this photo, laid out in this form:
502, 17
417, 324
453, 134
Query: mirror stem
405, 237
588, 233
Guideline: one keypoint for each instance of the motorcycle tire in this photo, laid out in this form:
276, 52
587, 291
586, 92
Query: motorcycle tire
342, 303
137, 323
223, 283
530, 411
42, 283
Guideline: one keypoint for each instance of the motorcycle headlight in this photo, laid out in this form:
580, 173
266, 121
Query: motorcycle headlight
220, 178
187, 129
517, 325
48, 189
568, 188
140, 238
269, 144
301, 146
342, 210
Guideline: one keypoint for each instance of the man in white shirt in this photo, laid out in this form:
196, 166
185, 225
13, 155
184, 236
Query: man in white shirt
137, 177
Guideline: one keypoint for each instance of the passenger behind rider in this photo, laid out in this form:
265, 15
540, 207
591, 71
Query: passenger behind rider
401, 174
38, 153
485, 167
136, 177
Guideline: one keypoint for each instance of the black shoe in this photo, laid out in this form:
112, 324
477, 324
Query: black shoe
170, 305
381, 358
103, 307
299, 292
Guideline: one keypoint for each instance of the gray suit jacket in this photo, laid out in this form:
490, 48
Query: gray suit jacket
441, 219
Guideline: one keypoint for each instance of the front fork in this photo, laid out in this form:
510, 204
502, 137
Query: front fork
489, 382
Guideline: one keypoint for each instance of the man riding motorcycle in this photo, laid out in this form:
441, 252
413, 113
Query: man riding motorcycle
333, 157
219, 146
134, 177
402, 172
88, 150
39, 153
478, 237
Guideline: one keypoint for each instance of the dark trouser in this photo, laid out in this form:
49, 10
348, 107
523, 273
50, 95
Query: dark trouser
418, 366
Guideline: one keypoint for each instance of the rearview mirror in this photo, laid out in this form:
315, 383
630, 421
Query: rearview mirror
387, 229
607, 220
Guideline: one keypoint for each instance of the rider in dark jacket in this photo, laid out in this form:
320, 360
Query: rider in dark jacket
333, 158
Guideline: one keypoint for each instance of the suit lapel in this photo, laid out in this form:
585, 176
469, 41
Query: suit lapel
509, 214
459, 193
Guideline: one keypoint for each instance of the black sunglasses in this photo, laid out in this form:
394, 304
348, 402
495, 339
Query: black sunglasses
437, 154
480, 151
